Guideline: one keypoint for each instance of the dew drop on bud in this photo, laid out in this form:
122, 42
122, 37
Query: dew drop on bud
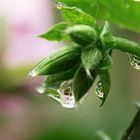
60, 5
33, 73
134, 61
99, 90
40, 90
66, 96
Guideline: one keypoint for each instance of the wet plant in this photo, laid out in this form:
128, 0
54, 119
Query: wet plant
71, 71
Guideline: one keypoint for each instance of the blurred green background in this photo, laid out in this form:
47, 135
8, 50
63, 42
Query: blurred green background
27, 115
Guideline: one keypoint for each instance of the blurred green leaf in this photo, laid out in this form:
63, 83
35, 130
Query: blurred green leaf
124, 13
74, 15
16, 77
56, 33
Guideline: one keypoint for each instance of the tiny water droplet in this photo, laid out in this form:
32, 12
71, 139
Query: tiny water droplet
33, 73
60, 5
99, 90
40, 90
134, 61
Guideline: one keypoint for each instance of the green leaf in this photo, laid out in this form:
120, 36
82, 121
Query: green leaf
105, 81
82, 34
74, 15
124, 13
82, 83
91, 57
56, 33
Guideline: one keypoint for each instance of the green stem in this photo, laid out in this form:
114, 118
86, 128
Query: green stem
124, 45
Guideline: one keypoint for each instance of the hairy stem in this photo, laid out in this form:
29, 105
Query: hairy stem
124, 45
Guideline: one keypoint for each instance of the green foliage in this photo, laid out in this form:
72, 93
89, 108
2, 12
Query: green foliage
72, 70
123, 13
81, 83
73, 15
56, 33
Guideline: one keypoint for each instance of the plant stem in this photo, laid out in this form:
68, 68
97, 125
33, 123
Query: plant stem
133, 132
124, 45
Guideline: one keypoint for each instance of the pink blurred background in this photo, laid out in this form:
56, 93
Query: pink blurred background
25, 20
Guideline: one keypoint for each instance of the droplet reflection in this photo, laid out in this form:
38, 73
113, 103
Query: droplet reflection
99, 90
134, 61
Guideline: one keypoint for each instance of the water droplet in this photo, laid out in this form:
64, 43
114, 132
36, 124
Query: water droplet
33, 73
60, 5
56, 98
67, 97
134, 61
99, 90
40, 90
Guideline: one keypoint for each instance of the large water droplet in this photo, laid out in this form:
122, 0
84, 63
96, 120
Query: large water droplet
134, 61
99, 90
66, 96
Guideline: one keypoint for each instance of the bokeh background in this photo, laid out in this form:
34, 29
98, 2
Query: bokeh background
27, 115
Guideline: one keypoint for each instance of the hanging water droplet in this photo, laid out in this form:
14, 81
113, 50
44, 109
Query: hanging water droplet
66, 96
134, 61
40, 90
54, 94
60, 5
99, 90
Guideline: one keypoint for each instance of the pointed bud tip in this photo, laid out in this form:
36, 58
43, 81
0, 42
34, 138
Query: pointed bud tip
32, 73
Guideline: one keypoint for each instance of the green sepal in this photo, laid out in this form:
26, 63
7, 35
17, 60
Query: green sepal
105, 81
82, 83
106, 62
82, 34
64, 76
62, 60
74, 15
106, 34
56, 33
91, 57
